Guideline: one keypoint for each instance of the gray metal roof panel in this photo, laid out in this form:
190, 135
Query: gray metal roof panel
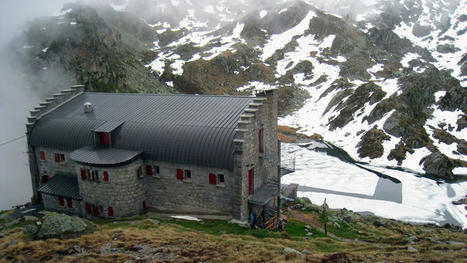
108, 126
65, 185
102, 156
192, 129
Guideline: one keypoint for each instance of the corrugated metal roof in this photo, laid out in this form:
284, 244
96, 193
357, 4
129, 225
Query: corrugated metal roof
191, 129
65, 185
104, 156
108, 126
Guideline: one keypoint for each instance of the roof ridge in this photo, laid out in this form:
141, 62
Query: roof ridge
171, 94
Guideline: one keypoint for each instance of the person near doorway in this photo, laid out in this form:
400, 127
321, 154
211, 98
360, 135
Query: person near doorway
252, 219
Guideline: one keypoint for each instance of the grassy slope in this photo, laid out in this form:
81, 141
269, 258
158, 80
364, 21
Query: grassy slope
219, 241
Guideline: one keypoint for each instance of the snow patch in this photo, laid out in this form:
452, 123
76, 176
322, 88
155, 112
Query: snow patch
423, 200
189, 218
262, 14
278, 41
119, 7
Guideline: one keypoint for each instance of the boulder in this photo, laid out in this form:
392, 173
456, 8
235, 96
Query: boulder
439, 165
31, 230
63, 226
290, 191
289, 251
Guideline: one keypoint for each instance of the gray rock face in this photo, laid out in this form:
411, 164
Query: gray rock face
289, 250
63, 226
438, 164
290, 191
447, 48
421, 31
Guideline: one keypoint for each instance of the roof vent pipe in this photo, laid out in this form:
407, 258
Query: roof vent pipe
88, 107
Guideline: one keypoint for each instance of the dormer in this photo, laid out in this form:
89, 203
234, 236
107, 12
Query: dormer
103, 134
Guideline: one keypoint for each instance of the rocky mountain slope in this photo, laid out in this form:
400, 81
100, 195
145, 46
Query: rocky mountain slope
384, 80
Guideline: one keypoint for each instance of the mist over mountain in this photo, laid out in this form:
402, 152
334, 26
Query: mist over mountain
384, 80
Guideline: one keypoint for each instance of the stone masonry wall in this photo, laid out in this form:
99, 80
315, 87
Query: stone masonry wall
49, 166
124, 192
263, 164
166, 193
51, 202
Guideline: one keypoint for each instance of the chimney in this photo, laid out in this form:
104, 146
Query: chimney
88, 107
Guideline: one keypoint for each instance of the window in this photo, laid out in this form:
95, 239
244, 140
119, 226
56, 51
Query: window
156, 171
187, 175
148, 170
61, 201
88, 208
96, 173
83, 174
95, 210
93, 176
69, 203
179, 174
45, 179
260, 140
110, 211
104, 138
106, 176
42, 155
144, 206
59, 157
212, 178
251, 181
220, 179
139, 172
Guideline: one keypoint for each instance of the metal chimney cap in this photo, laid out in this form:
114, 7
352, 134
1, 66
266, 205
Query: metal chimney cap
87, 107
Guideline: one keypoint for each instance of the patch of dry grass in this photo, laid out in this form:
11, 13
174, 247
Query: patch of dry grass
187, 245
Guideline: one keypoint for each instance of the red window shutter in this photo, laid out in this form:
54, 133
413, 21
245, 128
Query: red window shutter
61, 201
104, 138
110, 211
88, 208
83, 174
212, 179
250, 181
69, 203
179, 174
42, 154
95, 210
148, 170
57, 157
106, 176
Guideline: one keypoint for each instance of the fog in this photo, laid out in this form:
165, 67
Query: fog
17, 97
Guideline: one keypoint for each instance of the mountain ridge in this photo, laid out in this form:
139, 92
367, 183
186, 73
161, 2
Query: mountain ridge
375, 84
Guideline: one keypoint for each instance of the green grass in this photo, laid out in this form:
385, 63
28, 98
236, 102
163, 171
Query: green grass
292, 230
344, 231
327, 246
297, 229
